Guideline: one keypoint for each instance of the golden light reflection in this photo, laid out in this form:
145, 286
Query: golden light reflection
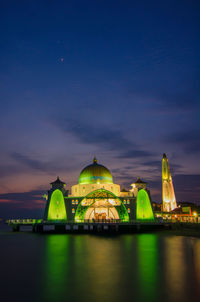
175, 267
98, 266
197, 264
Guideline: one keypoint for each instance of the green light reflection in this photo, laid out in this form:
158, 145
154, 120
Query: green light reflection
147, 266
56, 268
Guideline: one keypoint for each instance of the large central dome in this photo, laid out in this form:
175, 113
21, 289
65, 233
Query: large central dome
95, 174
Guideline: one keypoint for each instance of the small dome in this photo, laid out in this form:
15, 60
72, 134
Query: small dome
94, 174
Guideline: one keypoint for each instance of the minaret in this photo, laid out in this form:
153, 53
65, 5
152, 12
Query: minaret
55, 207
168, 195
136, 186
95, 160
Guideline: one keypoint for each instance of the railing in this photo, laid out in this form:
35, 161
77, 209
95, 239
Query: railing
114, 221
23, 221
101, 220
182, 220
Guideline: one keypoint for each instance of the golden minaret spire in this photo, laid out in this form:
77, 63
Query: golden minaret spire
94, 160
168, 195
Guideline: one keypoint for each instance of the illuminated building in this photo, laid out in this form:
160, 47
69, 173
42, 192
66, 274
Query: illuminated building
97, 198
168, 195
55, 207
136, 186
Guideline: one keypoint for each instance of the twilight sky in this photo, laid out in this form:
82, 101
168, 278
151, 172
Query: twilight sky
115, 79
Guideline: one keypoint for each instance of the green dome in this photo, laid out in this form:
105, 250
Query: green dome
94, 174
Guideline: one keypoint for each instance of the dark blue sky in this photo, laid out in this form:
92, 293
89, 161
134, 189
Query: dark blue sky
118, 79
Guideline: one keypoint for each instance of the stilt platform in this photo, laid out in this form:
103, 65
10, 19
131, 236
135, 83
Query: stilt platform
86, 227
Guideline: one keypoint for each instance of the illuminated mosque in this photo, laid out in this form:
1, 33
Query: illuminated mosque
97, 198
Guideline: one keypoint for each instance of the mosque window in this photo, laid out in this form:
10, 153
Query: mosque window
73, 210
128, 201
86, 202
124, 201
111, 188
76, 201
73, 201
129, 210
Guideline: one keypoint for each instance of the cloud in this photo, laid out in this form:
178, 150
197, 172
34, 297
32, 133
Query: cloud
157, 165
184, 97
7, 170
5, 200
134, 153
25, 161
31, 163
188, 140
23, 199
187, 187
22, 205
104, 137
24, 164
184, 101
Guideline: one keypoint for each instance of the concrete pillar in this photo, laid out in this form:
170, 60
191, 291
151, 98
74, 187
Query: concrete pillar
15, 227
60, 228
38, 228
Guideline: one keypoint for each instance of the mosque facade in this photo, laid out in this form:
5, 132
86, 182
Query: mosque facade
97, 198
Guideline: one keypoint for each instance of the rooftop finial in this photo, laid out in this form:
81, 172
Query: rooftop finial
95, 160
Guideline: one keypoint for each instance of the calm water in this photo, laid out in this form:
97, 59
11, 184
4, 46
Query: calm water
147, 267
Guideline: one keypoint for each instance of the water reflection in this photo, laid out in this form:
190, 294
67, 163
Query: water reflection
56, 266
197, 265
147, 254
97, 260
146, 267
175, 268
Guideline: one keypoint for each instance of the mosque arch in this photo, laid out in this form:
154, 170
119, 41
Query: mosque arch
144, 209
88, 202
57, 209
